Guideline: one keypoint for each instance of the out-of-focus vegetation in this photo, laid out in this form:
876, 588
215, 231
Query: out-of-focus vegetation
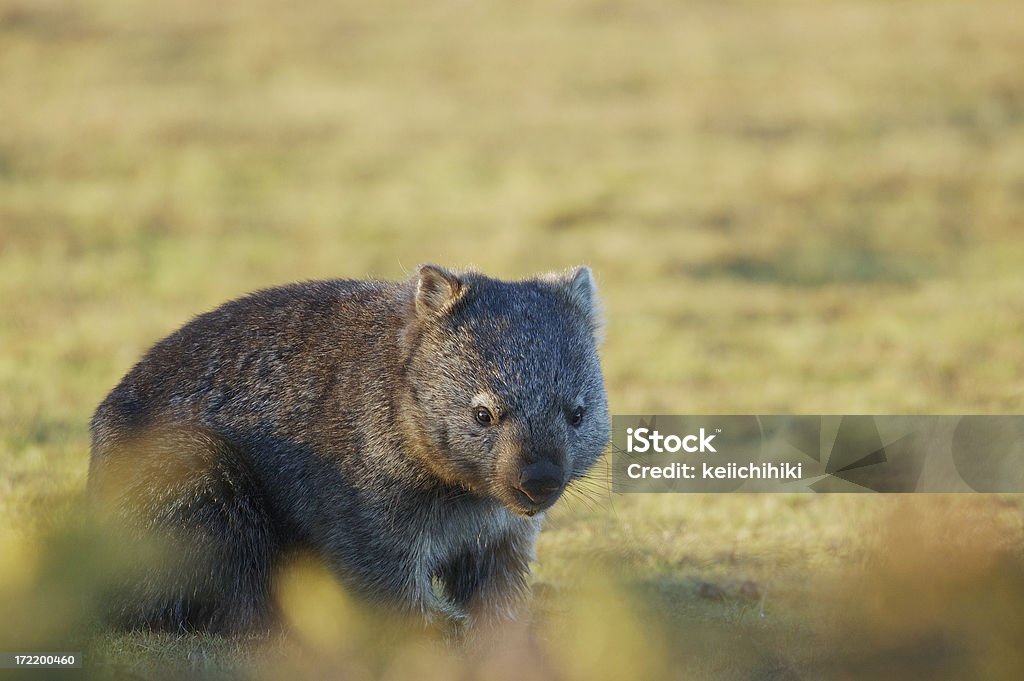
791, 207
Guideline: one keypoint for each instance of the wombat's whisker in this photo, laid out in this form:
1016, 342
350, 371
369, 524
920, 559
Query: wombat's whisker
577, 495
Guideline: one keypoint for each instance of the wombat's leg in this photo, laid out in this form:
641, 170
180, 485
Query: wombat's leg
490, 586
187, 500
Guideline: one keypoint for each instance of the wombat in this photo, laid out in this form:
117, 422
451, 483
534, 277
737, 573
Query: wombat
405, 434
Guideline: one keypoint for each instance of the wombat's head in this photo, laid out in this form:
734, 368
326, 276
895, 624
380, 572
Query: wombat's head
504, 387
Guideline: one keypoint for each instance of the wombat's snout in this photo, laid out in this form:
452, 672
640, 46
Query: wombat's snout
540, 482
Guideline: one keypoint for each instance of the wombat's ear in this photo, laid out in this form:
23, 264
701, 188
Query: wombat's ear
436, 290
578, 285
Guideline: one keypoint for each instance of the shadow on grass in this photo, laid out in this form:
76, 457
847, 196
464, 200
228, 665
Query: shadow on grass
819, 266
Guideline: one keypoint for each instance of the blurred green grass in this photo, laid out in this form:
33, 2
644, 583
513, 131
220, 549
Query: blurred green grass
791, 207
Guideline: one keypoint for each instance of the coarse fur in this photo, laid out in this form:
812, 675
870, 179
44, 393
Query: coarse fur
402, 432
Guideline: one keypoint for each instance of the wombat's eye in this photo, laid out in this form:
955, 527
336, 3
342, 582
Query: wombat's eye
576, 417
483, 416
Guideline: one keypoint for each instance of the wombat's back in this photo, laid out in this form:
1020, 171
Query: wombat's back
263, 360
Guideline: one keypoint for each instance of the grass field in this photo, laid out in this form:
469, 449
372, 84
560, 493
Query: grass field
790, 207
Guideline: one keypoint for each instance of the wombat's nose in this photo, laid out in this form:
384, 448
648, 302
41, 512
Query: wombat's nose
540, 481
